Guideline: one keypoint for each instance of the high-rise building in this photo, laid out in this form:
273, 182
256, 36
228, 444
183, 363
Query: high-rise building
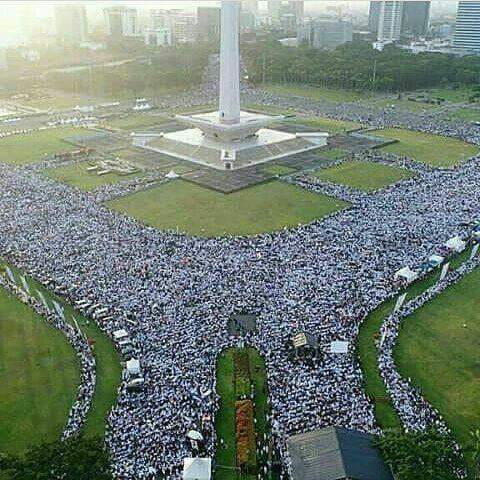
158, 36
325, 33
208, 23
70, 23
184, 29
416, 17
250, 6
286, 8
386, 19
121, 21
467, 29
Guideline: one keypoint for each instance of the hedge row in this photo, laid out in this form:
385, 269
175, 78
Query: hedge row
241, 369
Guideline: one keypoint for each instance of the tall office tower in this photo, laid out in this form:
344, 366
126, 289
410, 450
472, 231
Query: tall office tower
390, 21
184, 29
208, 23
70, 23
467, 29
374, 15
416, 17
326, 33
121, 21
274, 10
250, 6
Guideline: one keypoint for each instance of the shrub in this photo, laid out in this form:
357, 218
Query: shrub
241, 367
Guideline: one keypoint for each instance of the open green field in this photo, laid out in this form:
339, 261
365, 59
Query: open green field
315, 93
438, 349
273, 169
327, 124
367, 176
402, 104
108, 375
29, 148
459, 95
39, 377
225, 417
468, 114
76, 174
431, 149
200, 211
137, 120
367, 350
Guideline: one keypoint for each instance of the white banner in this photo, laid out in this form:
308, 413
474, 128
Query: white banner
400, 302
444, 271
474, 251
59, 309
42, 299
25, 283
384, 336
10, 274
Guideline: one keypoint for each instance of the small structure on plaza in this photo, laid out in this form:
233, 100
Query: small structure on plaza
242, 323
197, 468
334, 453
230, 138
305, 342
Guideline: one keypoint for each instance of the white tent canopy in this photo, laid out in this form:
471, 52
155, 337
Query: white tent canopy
456, 244
119, 334
339, 346
197, 469
406, 273
172, 175
436, 259
133, 366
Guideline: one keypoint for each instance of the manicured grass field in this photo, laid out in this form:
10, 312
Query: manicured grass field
108, 374
38, 377
225, 417
432, 149
278, 169
332, 153
438, 348
327, 124
29, 148
367, 176
199, 211
469, 114
403, 104
77, 175
459, 95
367, 350
316, 93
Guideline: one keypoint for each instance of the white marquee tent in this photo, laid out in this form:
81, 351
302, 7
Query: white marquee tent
406, 273
456, 244
339, 346
197, 469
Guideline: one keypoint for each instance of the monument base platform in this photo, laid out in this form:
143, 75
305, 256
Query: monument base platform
263, 146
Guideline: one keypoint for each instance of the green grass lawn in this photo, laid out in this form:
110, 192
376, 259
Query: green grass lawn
431, 149
225, 417
77, 175
403, 104
315, 93
438, 348
332, 153
200, 211
326, 124
367, 176
29, 148
459, 95
367, 350
108, 373
469, 114
38, 375
278, 169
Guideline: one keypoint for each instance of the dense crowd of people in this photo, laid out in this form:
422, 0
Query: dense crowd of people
174, 293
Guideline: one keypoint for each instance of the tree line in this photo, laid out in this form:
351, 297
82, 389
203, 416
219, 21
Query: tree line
358, 66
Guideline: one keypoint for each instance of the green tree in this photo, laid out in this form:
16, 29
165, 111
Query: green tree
420, 455
474, 448
75, 459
